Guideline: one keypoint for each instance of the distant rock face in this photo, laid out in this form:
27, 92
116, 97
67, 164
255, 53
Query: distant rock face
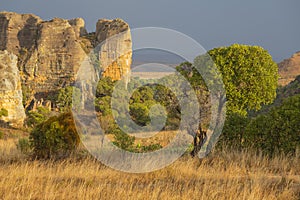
51, 52
78, 26
289, 69
17, 31
114, 38
54, 59
10, 90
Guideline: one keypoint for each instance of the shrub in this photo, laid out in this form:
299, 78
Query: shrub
1, 135
151, 147
23, 145
56, 137
68, 97
234, 131
36, 117
123, 140
278, 130
3, 112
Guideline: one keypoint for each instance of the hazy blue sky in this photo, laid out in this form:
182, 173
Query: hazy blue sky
272, 24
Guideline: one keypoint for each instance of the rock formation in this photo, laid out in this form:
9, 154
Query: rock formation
289, 69
116, 48
10, 90
54, 59
51, 52
17, 31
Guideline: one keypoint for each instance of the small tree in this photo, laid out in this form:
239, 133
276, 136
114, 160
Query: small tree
68, 97
249, 75
54, 138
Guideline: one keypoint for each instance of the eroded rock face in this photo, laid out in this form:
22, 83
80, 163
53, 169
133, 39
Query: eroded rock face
116, 47
54, 59
289, 69
51, 52
78, 26
17, 31
10, 90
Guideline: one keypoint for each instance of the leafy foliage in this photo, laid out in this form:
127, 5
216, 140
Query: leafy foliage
123, 140
3, 112
151, 147
272, 132
249, 75
234, 130
68, 97
55, 137
104, 87
36, 117
278, 130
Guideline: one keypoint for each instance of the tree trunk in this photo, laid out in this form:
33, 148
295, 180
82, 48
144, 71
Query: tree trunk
199, 140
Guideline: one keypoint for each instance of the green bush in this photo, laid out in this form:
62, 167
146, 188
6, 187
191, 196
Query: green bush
234, 131
68, 97
151, 147
36, 117
1, 135
23, 145
123, 140
278, 130
3, 112
56, 137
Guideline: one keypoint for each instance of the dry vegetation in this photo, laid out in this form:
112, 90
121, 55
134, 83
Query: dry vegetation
222, 175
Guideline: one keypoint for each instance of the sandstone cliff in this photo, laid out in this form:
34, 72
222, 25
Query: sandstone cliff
51, 52
116, 48
289, 69
10, 90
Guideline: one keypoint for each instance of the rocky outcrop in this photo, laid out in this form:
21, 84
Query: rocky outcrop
17, 31
78, 26
289, 69
114, 39
10, 90
54, 59
51, 52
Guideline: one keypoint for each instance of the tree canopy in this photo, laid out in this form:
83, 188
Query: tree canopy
249, 75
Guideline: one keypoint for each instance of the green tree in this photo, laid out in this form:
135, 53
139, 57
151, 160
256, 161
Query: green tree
105, 87
249, 74
102, 105
68, 97
140, 112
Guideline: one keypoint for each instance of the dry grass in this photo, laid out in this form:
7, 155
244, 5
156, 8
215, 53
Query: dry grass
163, 138
222, 175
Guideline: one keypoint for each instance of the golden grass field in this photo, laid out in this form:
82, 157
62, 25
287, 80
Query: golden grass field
223, 175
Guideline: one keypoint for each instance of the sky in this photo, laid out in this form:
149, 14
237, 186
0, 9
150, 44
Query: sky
272, 24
